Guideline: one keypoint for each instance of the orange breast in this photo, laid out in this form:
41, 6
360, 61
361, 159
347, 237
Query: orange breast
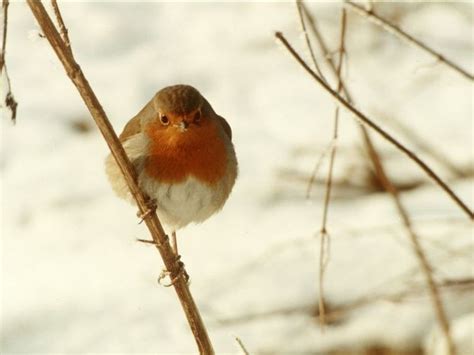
174, 155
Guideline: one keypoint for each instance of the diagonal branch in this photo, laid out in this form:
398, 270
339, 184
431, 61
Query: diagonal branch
242, 346
62, 26
397, 31
414, 239
426, 147
156, 230
366, 120
299, 7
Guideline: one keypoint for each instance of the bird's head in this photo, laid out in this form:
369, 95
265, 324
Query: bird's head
177, 109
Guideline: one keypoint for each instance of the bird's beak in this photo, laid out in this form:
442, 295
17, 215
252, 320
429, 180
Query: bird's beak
183, 125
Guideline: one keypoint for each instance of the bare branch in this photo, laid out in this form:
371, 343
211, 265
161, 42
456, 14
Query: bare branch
299, 7
424, 146
9, 100
5, 4
424, 263
242, 346
397, 31
327, 55
390, 187
370, 123
156, 230
414, 239
62, 28
316, 168
324, 235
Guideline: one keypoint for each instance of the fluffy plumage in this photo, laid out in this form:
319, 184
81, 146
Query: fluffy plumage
185, 161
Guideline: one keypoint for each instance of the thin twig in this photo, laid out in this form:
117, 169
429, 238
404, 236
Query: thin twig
424, 146
428, 148
423, 260
156, 230
317, 166
242, 346
414, 239
306, 38
62, 28
370, 123
324, 235
327, 55
424, 263
5, 4
397, 31
9, 100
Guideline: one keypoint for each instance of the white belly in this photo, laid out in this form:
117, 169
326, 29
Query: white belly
186, 202
178, 204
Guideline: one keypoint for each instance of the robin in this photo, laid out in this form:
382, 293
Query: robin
183, 156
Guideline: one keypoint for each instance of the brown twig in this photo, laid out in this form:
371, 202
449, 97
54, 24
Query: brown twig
416, 246
306, 38
390, 187
428, 148
5, 4
327, 55
156, 230
414, 239
242, 346
323, 232
10, 102
370, 123
317, 166
424, 146
62, 27
423, 260
397, 31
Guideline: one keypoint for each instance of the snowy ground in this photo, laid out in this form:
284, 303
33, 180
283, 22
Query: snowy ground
75, 281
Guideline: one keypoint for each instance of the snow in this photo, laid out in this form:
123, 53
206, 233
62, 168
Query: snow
74, 280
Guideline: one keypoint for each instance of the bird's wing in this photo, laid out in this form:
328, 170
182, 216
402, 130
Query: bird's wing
131, 128
226, 126
131, 131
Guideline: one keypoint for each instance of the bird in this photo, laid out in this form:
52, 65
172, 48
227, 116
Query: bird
183, 156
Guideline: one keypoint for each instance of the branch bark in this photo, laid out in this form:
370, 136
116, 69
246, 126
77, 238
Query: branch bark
370, 123
160, 239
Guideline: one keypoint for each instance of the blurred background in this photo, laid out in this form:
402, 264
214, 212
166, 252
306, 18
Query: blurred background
74, 279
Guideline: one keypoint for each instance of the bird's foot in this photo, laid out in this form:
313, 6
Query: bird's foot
174, 276
151, 208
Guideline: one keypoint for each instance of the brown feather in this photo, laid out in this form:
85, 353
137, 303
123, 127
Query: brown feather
226, 126
131, 128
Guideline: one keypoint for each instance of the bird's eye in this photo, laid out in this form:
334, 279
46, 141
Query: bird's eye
197, 116
164, 120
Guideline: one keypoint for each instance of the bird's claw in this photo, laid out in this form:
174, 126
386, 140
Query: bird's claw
180, 272
151, 205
